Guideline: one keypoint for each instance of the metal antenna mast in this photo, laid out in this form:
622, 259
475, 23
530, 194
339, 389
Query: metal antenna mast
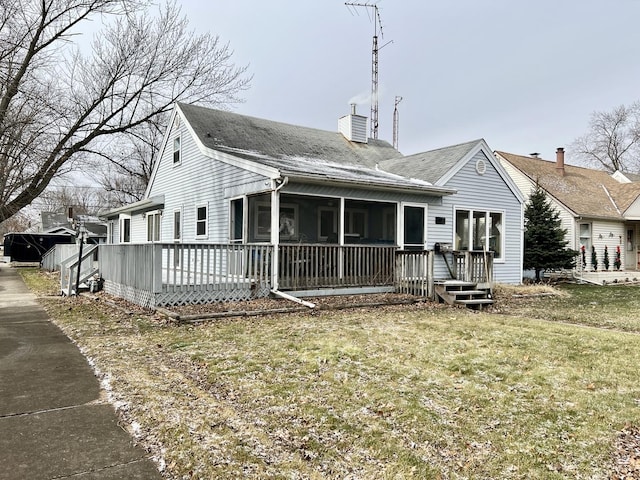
395, 122
377, 26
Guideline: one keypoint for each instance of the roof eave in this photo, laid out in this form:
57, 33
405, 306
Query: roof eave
144, 204
424, 189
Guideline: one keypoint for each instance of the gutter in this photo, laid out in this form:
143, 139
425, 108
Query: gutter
424, 189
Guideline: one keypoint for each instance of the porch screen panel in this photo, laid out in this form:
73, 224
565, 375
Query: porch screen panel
328, 224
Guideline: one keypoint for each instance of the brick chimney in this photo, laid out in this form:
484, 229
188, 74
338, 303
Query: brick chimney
560, 161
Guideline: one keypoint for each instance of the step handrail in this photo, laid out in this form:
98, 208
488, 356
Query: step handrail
68, 269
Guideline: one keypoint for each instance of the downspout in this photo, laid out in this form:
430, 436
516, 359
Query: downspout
275, 241
278, 183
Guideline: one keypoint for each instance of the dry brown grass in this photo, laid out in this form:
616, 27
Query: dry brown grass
420, 391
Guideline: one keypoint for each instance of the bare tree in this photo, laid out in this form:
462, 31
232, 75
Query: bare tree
124, 168
18, 223
58, 105
613, 140
82, 200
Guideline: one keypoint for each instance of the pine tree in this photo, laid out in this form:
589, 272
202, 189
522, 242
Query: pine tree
544, 238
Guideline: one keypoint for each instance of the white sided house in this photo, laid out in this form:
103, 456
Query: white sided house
239, 207
597, 209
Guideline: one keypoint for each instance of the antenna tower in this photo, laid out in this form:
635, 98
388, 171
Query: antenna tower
395, 122
377, 27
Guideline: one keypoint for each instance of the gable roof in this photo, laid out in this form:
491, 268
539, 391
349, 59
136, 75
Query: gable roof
433, 165
584, 191
297, 152
441, 165
244, 135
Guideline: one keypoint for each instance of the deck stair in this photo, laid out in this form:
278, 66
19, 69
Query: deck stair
468, 294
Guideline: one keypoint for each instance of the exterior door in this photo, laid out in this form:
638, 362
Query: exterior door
414, 234
630, 249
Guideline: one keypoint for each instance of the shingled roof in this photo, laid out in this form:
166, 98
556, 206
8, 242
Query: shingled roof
584, 191
296, 151
432, 165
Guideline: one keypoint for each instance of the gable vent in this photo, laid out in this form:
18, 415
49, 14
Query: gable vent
353, 126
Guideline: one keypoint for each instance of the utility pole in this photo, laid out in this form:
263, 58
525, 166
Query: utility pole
377, 26
395, 122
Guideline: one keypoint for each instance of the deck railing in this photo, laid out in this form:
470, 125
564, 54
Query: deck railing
310, 266
179, 274
474, 266
52, 259
161, 274
225, 265
414, 272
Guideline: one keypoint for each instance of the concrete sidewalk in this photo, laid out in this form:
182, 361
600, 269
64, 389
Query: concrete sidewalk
53, 422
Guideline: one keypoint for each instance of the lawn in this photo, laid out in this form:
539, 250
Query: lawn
421, 391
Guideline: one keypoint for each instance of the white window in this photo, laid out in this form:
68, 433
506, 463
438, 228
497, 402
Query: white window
153, 226
480, 230
111, 232
202, 220
177, 224
176, 150
125, 228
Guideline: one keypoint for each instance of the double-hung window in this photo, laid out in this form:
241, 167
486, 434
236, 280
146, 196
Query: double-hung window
202, 220
153, 226
177, 224
125, 228
176, 150
236, 220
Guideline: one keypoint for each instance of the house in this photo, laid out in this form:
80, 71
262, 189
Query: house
52, 229
313, 211
596, 208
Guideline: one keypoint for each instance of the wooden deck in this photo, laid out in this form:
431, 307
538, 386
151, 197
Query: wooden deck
154, 275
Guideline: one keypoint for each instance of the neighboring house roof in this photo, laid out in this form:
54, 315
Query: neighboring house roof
626, 177
51, 220
584, 191
298, 152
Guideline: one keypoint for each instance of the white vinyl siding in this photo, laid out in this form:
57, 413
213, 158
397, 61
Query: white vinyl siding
201, 181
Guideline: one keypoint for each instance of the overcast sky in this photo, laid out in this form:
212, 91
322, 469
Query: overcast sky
525, 76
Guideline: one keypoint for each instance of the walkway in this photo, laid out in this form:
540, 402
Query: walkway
54, 424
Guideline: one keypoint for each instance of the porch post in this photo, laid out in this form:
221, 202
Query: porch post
275, 237
341, 216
